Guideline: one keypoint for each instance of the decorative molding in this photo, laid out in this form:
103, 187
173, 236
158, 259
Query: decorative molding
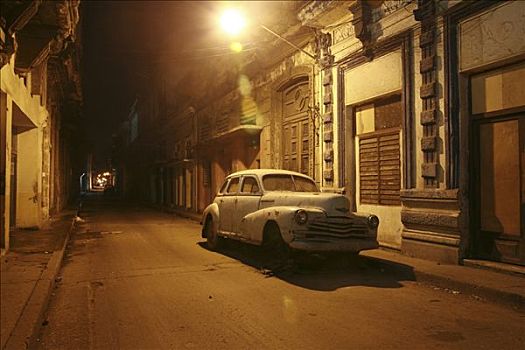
426, 14
327, 79
388, 7
428, 117
322, 44
429, 143
432, 224
328, 130
429, 170
428, 218
343, 32
329, 155
328, 174
427, 90
430, 238
309, 14
362, 17
427, 64
424, 195
496, 34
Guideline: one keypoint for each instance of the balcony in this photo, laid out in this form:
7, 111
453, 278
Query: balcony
235, 119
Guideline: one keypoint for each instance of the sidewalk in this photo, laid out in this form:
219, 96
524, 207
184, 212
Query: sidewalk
499, 287
28, 273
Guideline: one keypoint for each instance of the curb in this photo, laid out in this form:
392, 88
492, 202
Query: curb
515, 301
25, 334
498, 296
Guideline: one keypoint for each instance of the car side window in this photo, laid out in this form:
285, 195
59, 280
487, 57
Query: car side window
223, 187
278, 182
233, 186
250, 185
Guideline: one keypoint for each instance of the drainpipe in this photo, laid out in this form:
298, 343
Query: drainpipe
314, 117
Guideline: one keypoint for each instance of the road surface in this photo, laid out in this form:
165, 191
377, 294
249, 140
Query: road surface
134, 278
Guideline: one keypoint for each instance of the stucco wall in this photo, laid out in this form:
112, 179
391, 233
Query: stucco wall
29, 184
29, 211
387, 73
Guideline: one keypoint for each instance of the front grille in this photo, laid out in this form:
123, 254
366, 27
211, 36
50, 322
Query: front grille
334, 228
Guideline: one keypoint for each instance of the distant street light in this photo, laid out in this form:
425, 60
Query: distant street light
233, 22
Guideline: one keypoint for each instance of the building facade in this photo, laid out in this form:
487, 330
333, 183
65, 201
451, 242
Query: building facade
412, 109
427, 122
40, 106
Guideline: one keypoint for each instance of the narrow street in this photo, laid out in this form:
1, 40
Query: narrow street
134, 278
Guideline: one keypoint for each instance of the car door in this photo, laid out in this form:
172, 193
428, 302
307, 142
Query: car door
227, 206
247, 202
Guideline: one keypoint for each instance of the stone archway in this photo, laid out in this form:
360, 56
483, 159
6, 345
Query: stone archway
291, 123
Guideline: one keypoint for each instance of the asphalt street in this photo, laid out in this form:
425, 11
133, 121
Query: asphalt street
136, 278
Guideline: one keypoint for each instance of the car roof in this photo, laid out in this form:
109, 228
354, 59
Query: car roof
262, 172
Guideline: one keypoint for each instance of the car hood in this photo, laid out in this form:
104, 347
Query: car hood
332, 204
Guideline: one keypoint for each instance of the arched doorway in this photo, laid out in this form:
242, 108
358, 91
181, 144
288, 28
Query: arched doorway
297, 141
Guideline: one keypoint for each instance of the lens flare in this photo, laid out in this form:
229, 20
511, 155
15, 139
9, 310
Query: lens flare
245, 86
236, 46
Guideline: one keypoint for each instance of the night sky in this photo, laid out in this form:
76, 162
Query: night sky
125, 41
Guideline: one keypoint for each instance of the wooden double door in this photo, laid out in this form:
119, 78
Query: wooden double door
297, 146
497, 114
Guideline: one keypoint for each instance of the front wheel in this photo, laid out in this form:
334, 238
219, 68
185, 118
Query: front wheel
213, 240
275, 248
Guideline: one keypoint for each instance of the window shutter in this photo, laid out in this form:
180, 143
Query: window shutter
369, 170
379, 168
389, 169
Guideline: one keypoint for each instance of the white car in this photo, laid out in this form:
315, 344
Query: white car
285, 210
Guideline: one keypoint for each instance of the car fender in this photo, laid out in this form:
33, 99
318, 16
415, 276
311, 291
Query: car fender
213, 210
253, 224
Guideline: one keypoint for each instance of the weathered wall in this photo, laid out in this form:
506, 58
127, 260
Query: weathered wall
29, 185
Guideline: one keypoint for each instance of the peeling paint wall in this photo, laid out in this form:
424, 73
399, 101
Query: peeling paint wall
27, 115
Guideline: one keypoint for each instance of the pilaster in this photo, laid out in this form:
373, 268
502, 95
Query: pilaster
431, 216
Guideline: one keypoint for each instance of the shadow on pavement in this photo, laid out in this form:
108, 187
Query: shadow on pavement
325, 272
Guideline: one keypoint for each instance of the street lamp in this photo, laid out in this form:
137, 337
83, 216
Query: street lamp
233, 22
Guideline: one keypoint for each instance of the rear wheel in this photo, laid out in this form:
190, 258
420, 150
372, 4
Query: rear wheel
213, 240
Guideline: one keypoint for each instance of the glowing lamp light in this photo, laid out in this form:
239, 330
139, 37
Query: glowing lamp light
232, 21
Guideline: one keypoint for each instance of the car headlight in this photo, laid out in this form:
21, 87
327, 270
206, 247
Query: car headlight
373, 221
301, 217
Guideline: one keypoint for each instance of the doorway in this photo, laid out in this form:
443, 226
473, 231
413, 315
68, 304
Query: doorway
297, 147
498, 167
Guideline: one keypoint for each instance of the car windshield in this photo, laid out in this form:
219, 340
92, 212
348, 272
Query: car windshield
284, 182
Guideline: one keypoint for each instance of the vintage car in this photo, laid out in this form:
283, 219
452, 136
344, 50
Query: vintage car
282, 209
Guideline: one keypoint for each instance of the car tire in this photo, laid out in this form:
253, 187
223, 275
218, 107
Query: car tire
213, 240
275, 248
